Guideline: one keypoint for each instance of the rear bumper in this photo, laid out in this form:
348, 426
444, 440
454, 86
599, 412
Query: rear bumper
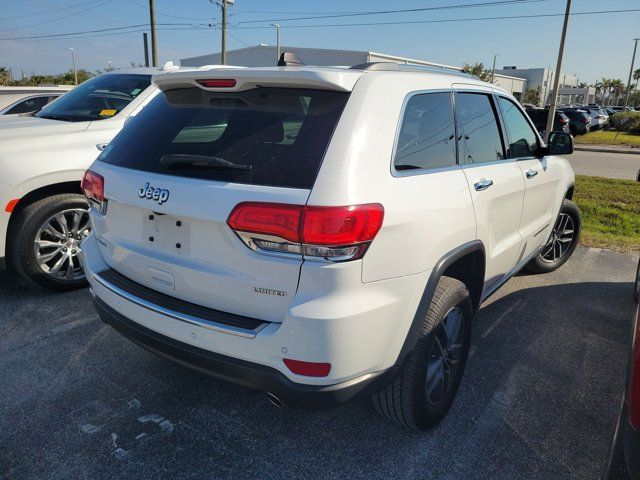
243, 373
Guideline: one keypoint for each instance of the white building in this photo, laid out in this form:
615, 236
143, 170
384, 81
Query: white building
545, 77
266, 56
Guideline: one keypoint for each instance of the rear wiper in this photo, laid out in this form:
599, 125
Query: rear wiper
176, 160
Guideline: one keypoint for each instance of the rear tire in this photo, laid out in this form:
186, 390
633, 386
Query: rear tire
559, 248
23, 250
421, 395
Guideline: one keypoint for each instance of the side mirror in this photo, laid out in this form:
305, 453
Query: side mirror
560, 143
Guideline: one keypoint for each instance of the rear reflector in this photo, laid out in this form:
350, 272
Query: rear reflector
11, 204
308, 369
218, 82
634, 385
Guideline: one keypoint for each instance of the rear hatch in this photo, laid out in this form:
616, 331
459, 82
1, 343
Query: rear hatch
175, 173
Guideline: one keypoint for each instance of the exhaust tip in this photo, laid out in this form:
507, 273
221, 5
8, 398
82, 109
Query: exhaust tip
274, 400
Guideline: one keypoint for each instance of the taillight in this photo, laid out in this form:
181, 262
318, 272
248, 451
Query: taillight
218, 83
330, 233
634, 386
308, 369
586, 120
93, 189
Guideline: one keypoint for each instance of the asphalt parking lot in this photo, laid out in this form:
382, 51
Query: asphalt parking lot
539, 398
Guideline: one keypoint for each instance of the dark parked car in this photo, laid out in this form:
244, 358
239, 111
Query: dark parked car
539, 118
625, 452
579, 121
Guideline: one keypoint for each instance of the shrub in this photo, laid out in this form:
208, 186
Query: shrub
626, 121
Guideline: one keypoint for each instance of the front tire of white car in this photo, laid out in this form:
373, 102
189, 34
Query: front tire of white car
46, 240
421, 395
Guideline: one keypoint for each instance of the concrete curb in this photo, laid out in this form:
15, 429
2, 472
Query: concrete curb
587, 148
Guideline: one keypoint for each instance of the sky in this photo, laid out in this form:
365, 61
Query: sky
598, 45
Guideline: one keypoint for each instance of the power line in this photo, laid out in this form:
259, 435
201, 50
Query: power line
104, 2
189, 26
146, 7
404, 10
83, 4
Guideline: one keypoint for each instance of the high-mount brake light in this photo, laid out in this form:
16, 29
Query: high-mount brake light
218, 82
93, 188
331, 233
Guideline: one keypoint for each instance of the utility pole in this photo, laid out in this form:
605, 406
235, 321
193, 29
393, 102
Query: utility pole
73, 59
223, 51
633, 59
277, 40
146, 49
154, 44
493, 69
556, 82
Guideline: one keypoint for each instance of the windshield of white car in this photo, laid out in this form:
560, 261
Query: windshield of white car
98, 98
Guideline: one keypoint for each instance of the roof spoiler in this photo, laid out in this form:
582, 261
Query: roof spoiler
289, 59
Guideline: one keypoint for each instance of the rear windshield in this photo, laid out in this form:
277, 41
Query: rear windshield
263, 136
98, 98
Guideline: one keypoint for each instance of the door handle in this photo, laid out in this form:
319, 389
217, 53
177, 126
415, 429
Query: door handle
531, 173
483, 184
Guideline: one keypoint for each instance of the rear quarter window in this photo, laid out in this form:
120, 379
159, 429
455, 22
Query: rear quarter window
277, 135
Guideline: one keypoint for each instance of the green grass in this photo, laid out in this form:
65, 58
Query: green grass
605, 137
610, 213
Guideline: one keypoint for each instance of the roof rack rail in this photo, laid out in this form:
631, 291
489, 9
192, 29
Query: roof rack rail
395, 66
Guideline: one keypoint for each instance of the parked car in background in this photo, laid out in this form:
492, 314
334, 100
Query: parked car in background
539, 117
625, 450
43, 215
31, 104
579, 121
597, 117
242, 227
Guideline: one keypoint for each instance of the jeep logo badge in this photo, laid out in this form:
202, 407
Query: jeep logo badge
160, 195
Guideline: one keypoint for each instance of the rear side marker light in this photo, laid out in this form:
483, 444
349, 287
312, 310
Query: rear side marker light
308, 369
330, 233
218, 83
11, 204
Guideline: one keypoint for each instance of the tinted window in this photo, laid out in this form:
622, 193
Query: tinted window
98, 98
427, 133
523, 141
270, 136
28, 105
478, 129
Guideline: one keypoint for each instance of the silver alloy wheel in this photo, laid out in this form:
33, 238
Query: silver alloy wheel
446, 354
560, 240
57, 243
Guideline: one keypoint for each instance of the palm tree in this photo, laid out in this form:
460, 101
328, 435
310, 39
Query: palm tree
617, 88
605, 86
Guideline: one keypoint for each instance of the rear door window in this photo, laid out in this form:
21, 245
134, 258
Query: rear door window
478, 128
263, 136
426, 139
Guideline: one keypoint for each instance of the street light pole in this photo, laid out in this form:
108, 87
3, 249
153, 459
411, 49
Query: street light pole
73, 60
277, 40
154, 42
633, 59
556, 82
493, 69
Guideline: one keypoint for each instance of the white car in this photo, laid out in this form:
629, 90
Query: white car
30, 104
598, 118
323, 234
43, 214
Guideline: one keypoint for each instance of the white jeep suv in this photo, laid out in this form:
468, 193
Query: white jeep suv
323, 234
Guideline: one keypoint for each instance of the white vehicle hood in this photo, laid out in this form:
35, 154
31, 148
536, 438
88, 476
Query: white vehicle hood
35, 129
